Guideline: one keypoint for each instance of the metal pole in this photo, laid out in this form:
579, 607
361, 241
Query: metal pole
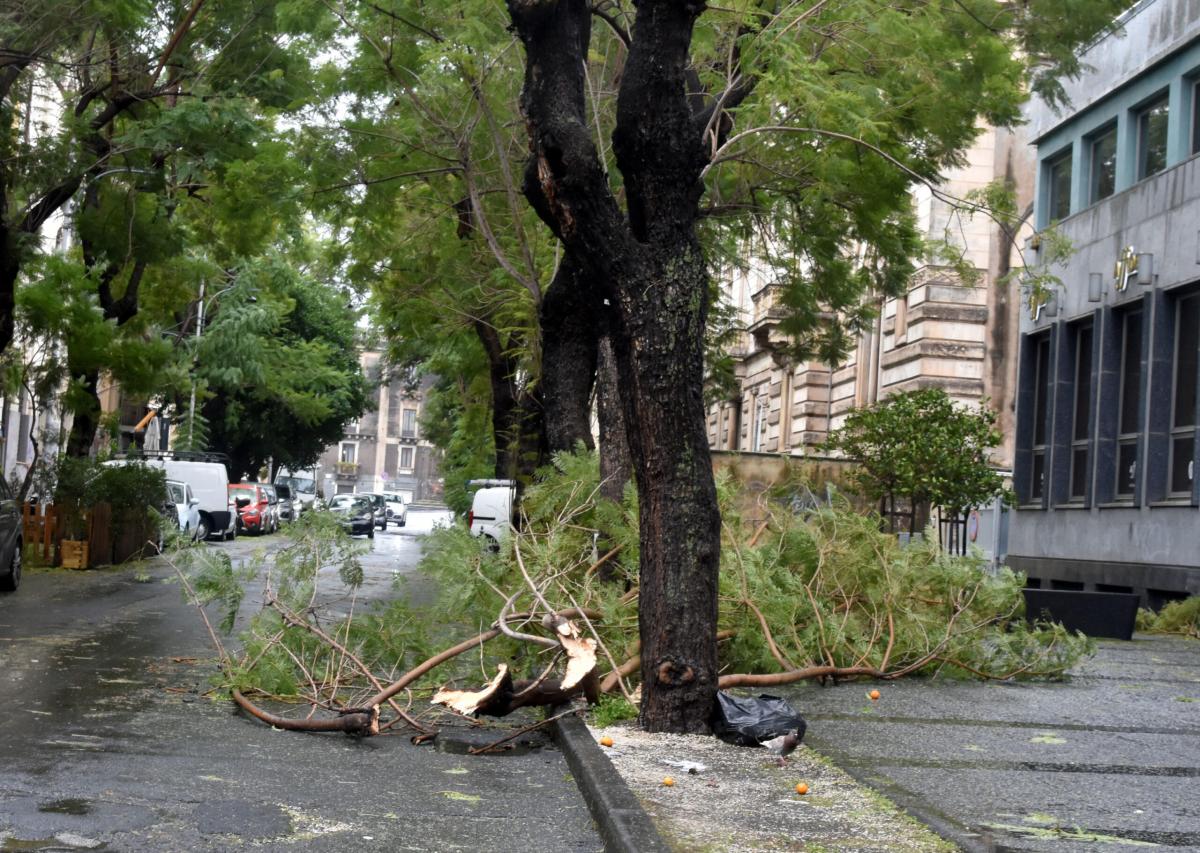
192, 403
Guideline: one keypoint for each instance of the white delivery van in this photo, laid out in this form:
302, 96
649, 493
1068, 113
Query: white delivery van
210, 486
492, 508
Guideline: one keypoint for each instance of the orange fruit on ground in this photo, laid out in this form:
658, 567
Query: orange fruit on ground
801, 788
668, 781
874, 694
606, 741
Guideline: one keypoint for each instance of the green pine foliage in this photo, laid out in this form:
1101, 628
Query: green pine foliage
1178, 617
832, 589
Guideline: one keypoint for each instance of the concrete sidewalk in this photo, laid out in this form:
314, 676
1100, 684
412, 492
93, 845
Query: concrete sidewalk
1107, 760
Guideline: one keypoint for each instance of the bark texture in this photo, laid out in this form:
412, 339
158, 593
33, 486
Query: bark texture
647, 263
567, 319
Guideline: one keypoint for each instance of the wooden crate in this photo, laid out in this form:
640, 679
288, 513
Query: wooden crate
74, 554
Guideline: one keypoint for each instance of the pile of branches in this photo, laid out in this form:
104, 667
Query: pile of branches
820, 595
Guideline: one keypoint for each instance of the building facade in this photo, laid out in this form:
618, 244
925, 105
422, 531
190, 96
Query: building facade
943, 333
384, 449
1107, 413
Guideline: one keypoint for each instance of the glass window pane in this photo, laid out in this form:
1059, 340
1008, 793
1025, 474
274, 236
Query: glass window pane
1152, 139
1196, 118
1060, 188
1187, 351
1079, 472
1104, 165
1126, 468
1083, 382
1182, 468
1041, 387
1038, 473
1131, 371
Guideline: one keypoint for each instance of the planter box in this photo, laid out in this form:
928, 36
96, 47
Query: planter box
74, 554
1097, 614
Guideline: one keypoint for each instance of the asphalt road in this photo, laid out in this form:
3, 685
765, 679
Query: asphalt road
107, 743
1108, 760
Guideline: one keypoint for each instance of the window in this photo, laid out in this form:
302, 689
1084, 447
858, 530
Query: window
1195, 148
393, 412
348, 452
1152, 139
760, 423
1129, 406
1081, 411
406, 458
1183, 396
1058, 180
391, 455
1041, 419
1104, 164
409, 427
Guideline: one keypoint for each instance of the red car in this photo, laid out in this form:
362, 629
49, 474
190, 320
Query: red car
253, 507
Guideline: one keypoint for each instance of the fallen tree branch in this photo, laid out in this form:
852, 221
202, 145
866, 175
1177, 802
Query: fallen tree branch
480, 750
359, 721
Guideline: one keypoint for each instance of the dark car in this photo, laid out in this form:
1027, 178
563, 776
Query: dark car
287, 505
10, 540
355, 512
379, 504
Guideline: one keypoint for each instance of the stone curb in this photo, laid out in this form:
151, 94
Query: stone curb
623, 823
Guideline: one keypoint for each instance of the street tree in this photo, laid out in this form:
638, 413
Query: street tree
662, 141
923, 448
277, 378
847, 103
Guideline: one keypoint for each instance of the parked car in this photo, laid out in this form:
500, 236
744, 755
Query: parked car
186, 507
355, 512
10, 540
210, 486
397, 510
379, 506
287, 505
253, 507
273, 499
492, 510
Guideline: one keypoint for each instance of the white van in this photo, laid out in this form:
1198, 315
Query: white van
210, 486
492, 509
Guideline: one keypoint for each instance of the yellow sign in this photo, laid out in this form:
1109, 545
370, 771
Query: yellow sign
1126, 269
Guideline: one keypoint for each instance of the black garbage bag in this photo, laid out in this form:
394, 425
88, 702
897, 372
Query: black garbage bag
749, 721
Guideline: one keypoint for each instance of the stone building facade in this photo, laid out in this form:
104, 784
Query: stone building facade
384, 450
942, 333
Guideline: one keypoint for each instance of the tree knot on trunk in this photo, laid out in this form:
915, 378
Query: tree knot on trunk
675, 674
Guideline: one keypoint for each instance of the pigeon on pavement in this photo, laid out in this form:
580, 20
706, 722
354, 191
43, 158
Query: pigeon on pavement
784, 745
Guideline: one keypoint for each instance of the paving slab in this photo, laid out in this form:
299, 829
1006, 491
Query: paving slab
1108, 759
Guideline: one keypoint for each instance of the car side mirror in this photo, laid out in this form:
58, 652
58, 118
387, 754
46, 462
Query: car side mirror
193, 502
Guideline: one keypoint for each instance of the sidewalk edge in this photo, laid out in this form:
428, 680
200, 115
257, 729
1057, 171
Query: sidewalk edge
623, 824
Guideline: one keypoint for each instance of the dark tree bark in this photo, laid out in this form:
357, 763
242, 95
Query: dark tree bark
517, 425
616, 467
649, 265
568, 320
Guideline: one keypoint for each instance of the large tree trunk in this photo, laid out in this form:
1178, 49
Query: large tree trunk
517, 424
568, 320
10, 267
648, 264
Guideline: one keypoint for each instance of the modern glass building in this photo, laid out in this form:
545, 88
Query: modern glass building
1108, 399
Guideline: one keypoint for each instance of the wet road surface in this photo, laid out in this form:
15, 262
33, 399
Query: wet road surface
107, 743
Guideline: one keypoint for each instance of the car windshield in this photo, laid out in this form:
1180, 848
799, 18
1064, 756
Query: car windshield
242, 492
349, 502
300, 484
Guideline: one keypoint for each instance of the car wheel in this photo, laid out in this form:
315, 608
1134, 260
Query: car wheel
231, 535
371, 532
12, 580
203, 529
402, 522
384, 525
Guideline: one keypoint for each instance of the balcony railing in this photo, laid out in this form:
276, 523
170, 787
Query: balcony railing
347, 469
